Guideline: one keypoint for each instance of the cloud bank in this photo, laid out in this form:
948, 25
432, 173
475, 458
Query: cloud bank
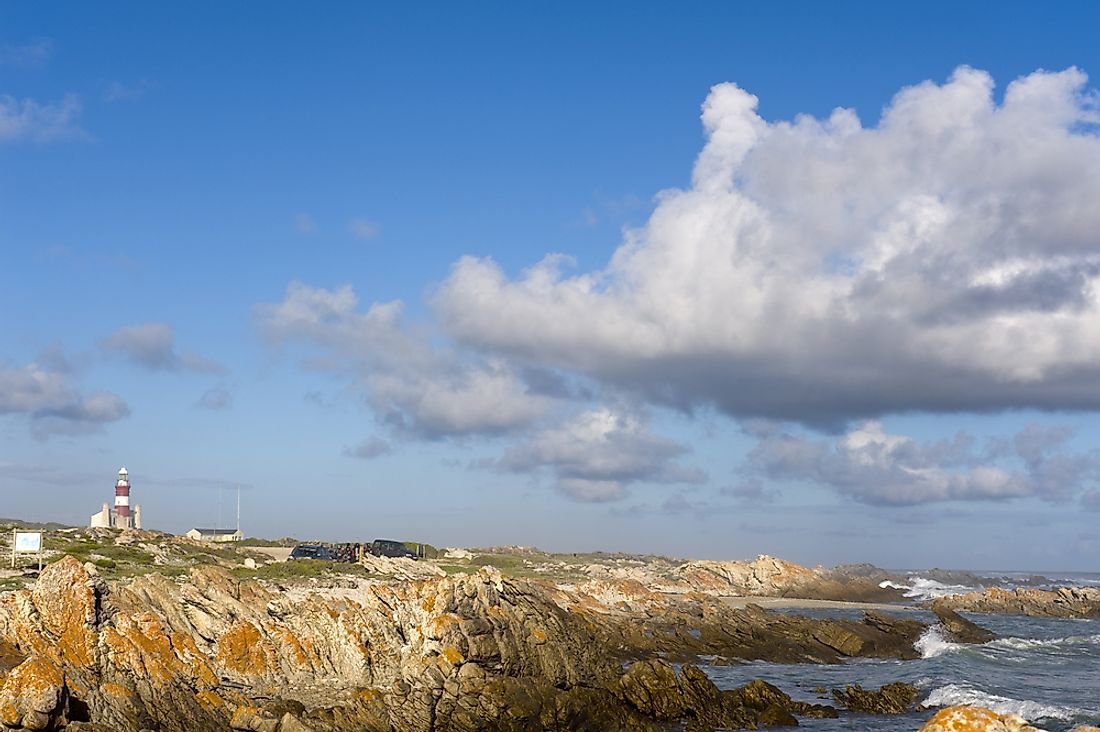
597, 454
153, 346
825, 272
52, 404
872, 466
945, 259
417, 387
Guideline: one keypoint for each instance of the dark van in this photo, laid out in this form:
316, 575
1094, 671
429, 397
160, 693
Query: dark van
311, 551
391, 548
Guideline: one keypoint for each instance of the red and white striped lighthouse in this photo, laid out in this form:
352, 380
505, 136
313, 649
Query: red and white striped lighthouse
122, 496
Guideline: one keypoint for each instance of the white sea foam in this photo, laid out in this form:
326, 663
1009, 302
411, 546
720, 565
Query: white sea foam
1025, 644
920, 588
952, 694
932, 643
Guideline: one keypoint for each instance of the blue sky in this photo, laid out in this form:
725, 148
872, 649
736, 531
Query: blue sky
306, 253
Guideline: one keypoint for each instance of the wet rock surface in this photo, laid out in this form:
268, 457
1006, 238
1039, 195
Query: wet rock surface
707, 627
897, 698
464, 652
958, 629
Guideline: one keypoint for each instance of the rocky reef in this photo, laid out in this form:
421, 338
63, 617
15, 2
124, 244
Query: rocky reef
461, 652
1064, 602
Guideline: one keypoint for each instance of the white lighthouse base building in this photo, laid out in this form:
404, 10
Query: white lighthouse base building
109, 519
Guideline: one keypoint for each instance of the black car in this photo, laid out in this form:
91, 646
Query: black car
391, 548
311, 551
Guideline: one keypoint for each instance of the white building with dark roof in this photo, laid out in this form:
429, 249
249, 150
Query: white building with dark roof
215, 535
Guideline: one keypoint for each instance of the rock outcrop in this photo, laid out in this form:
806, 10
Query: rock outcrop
1065, 602
768, 576
958, 629
457, 653
690, 697
704, 626
975, 719
896, 698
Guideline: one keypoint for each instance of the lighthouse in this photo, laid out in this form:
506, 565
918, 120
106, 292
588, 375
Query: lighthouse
122, 496
121, 516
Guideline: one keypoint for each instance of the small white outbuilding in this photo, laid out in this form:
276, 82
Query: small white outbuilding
215, 535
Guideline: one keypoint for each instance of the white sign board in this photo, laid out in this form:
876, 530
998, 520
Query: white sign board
29, 542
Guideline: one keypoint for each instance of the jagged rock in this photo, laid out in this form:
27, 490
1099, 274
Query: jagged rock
958, 629
652, 688
1065, 602
253, 719
33, 695
290, 723
777, 716
768, 576
760, 695
894, 698
975, 719
458, 653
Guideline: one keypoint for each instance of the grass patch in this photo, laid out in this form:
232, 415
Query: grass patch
302, 569
503, 562
253, 541
457, 568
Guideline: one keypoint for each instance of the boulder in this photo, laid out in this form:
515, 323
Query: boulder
33, 695
896, 698
958, 629
975, 719
651, 687
253, 719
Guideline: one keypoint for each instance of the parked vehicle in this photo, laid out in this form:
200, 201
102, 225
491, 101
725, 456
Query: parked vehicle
391, 548
311, 551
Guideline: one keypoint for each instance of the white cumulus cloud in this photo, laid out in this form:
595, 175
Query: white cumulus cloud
822, 270
597, 454
415, 386
53, 404
153, 346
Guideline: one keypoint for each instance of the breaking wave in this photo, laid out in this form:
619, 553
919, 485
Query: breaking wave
932, 643
921, 589
952, 694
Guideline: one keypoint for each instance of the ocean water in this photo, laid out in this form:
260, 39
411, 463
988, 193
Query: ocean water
1045, 670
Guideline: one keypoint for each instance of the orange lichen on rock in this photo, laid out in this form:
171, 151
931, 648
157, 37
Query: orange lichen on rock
196, 661
440, 625
10, 716
243, 649
140, 644
302, 652
453, 655
35, 687
428, 603
210, 700
975, 719
65, 598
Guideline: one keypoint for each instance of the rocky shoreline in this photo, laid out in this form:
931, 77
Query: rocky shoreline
1064, 602
463, 652
459, 652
